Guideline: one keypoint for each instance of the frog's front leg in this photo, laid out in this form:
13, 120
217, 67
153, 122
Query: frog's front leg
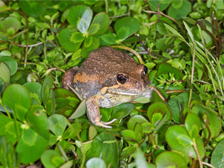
93, 111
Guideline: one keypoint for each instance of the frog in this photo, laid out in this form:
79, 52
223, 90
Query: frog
107, 78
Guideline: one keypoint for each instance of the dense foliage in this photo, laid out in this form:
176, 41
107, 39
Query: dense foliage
179, 41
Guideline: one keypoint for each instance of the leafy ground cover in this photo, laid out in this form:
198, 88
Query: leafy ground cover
181, 43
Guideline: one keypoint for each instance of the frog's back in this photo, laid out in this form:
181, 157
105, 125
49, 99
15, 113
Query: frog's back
99, 70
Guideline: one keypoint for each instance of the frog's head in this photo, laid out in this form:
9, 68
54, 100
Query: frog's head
133, 82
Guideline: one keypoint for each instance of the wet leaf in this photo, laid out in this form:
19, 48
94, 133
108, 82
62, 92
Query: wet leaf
103, 143
20, 102
80, 16
170, 159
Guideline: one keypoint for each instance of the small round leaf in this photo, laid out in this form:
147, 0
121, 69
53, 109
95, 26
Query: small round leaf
100, 24
179, 9
95, 162
70, 40
80, 16
125, 27
11, 63
170, 159
30, 146
91, 43
57, 123
193, 124
11, 22
17, 98
51, 159
136, 119
4, 72
31, 8
160, 108
103, 143
217, 155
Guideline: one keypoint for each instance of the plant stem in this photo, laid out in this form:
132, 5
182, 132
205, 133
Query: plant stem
131, 50
198, 155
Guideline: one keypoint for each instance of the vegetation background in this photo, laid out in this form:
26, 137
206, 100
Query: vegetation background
181, 43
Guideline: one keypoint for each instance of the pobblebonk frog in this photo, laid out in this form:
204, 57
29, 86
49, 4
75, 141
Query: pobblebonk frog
107, 78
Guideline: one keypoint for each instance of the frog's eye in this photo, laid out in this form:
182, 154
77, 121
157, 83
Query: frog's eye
144, 72
122, 78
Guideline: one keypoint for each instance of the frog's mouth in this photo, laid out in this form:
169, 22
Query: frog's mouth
145, 93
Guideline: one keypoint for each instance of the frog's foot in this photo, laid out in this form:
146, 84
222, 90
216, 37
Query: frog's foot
104, 124
93, 112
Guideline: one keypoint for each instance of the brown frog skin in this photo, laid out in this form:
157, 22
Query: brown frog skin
107, 78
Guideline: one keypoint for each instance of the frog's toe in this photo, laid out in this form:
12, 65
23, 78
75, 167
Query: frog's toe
110, 122
104, 124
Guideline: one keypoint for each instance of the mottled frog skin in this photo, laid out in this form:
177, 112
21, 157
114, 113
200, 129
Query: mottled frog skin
107, 78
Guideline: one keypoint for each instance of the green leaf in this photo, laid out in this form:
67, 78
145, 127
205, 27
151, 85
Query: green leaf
48, 95
161, 4
168, 69
20, 102
51, 159
8, 129
158, 108
34, 88
80, 111
217, 155
37, 121
91, 43
130, 136
92, 132
4, 72
107, 38
72, 132
3, 7
193, 125
175, 33
11, 63
7, 153
134, 120
70, 40
147, 127
31, 8
95, 162
11, 23
125, 27
2, 86
164, 43
57, 124
178, 138
213, 119
77, 37
160, 27
122, 111
179, 104
127, 151
100, 24
80, 16
179, 9
103, 143
140, 159
170, 160
43, 25
29, 142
